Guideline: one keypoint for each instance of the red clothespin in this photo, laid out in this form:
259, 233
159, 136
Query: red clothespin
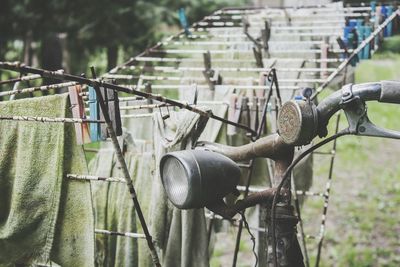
78, 112
324, 57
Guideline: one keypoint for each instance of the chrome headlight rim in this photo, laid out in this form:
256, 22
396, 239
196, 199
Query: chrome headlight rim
193, 198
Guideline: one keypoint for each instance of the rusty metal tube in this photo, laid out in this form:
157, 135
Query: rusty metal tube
265, 196
271, 146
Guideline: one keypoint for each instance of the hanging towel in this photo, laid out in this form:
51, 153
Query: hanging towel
44, 218
114, 208
180, 236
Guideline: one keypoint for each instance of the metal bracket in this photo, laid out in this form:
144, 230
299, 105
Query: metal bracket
357, 117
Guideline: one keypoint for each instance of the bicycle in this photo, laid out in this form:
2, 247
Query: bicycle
204, 176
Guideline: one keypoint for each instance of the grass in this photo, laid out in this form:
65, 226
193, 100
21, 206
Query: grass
363, 225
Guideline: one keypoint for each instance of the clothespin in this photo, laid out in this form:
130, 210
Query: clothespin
346, 32
352, 23
379, 19
263, 81
239, 106
244, 111
231, 130
324, 55
389, 28
373, 6
344, 46
212, 77
265, 36
112, 103
113, 110
257, 45
148, 89
183, 20
360, 35
196, 92
166, 116
95, 128
396, 21
258, 56
78, 112
367, 48
255, 121
353, 43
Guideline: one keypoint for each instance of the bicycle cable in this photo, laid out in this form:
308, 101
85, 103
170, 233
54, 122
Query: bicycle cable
253, 239
285, 177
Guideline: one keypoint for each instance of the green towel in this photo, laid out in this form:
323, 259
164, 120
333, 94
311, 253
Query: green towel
114, 208
44, 218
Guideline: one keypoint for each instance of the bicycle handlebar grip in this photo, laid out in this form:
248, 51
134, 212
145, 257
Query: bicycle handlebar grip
390, 92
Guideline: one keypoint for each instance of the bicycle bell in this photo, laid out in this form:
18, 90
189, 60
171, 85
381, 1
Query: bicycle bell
297, 122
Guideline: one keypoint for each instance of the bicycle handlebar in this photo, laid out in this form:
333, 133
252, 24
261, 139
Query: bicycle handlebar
390, 92
384, 91
300, 121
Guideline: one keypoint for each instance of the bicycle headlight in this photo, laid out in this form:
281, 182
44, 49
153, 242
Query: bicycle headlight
196, 178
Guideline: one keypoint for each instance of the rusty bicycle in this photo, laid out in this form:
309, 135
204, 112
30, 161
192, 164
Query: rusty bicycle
204, 176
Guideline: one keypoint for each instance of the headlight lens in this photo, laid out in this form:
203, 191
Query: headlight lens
176, 180
194, 179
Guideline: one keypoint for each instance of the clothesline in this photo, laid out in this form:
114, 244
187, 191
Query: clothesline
201, 79
179, 69
230, 51
125, 234
38, 88
20, 79
180, 60
240, 188
233, 42
48, 119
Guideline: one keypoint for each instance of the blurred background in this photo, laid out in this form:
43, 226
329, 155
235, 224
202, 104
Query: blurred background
363, 227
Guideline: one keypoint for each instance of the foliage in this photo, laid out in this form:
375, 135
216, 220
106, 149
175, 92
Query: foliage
93, 27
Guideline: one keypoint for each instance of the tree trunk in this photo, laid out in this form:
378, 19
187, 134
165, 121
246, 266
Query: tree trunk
112, 56
51, 57
28, 51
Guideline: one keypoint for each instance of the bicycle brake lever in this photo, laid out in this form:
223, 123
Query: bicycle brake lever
360, 124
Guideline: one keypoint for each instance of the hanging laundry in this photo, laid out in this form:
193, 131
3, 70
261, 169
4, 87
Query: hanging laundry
180, 235
44, 218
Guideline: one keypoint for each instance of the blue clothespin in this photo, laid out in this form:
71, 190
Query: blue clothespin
346, 31
360, 33
373, 6
384, 12
367, 48
351, 37
389, 27
184, 21
95, 131
352, 23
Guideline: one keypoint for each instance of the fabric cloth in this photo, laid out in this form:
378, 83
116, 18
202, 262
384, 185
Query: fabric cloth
114, 208
44, 218
180, 236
